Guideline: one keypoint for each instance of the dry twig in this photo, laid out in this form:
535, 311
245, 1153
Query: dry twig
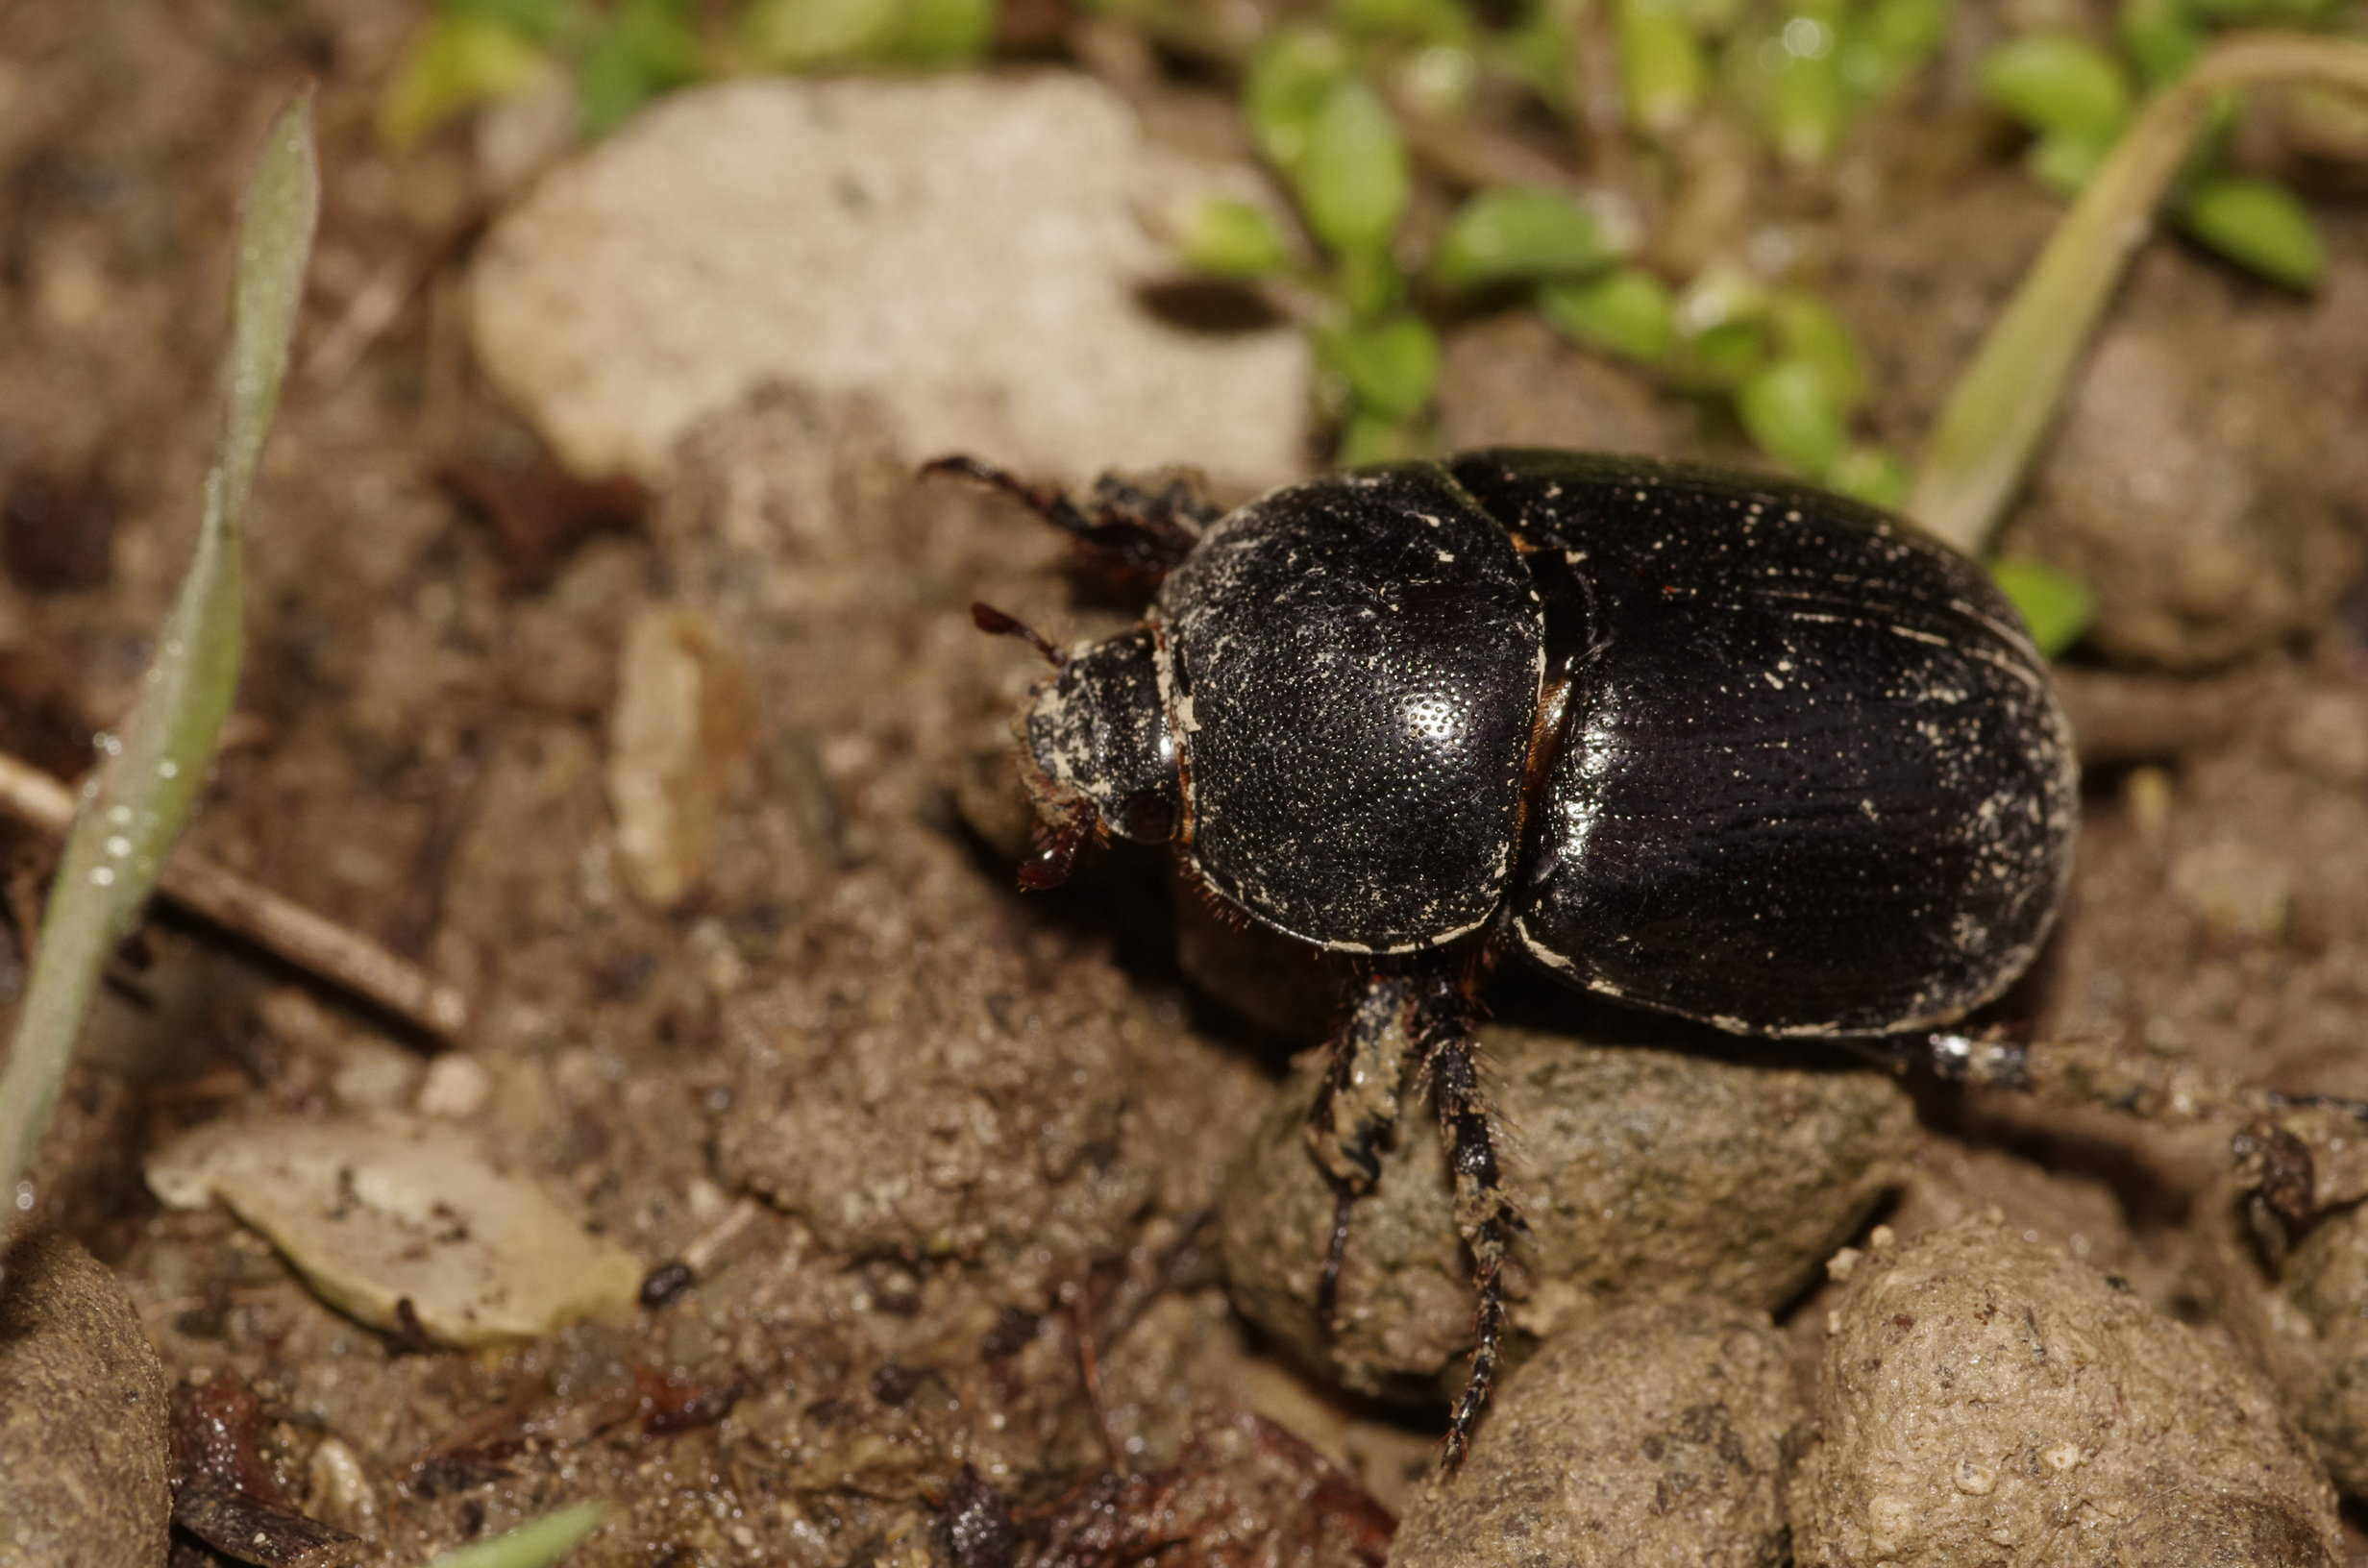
317, 946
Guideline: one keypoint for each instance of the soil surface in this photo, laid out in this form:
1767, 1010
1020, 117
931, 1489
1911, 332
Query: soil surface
926, 1173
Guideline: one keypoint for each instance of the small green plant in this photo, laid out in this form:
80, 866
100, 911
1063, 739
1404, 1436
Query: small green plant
2000, 407
2079, 98
1329, 103
473, 52
617, 55
142, 796
534, 1545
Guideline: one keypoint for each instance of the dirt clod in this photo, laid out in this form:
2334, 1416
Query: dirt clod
83, 1436
1984, 1395
1641, 1173
1656, 1434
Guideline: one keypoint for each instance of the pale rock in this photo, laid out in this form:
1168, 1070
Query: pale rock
969, 251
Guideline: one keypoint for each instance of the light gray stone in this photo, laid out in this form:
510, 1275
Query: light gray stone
969, 250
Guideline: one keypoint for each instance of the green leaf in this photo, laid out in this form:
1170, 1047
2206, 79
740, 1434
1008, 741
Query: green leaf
141, 797
535, 1545
2053, 81
2255, 12
940, 33
1537, 52
1513, 232
1807, 107
2066, 163
1890, 41
1290, 79
1438, 82
1390, 365
450, 66
2161, 35
1405, 21
1806, 329
1629, 312
1351, 176
647, 47
2055, 604
1368, 283
2257, 224
1791, 414
1369, 438
1872, 475
803, 35
1662, 67
1722, 329
544, 21
1722, 357
1228, 238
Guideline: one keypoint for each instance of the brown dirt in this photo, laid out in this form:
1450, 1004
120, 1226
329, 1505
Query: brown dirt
905, 1343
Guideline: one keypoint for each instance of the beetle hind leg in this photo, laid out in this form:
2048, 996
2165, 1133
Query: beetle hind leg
2289, 1149
1418, 1021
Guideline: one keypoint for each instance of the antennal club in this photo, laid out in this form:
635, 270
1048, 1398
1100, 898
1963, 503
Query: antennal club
995, 622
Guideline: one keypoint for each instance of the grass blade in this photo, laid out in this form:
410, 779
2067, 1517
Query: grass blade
535, 1545
2001, 405
144, 787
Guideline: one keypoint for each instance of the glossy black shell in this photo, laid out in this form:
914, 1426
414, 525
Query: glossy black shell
1810, 776
1708, 743
1351, 670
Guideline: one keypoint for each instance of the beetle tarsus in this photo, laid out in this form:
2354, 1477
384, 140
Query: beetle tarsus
1344, 1197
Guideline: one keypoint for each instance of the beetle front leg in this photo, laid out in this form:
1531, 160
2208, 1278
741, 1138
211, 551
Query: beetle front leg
1484, 1212
1149, 530
1355, 1113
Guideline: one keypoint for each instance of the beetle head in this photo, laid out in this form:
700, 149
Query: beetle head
1100, 758
1096, 729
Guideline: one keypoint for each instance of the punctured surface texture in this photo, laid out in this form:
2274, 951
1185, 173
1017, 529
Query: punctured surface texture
1351, 668
1654, 1435
82, 1438
1813, 780
1985, 1399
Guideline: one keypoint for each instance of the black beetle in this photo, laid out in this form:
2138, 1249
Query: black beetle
1701, 742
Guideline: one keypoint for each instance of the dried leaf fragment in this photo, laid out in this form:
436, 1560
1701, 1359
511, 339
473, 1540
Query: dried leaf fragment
684, 720
380, 1212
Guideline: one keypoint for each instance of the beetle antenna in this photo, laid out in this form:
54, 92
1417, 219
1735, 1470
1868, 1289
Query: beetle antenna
995, 622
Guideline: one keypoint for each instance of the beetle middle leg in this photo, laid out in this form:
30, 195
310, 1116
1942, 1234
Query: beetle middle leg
1484, 1212
1356, 1110
1420, 1018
